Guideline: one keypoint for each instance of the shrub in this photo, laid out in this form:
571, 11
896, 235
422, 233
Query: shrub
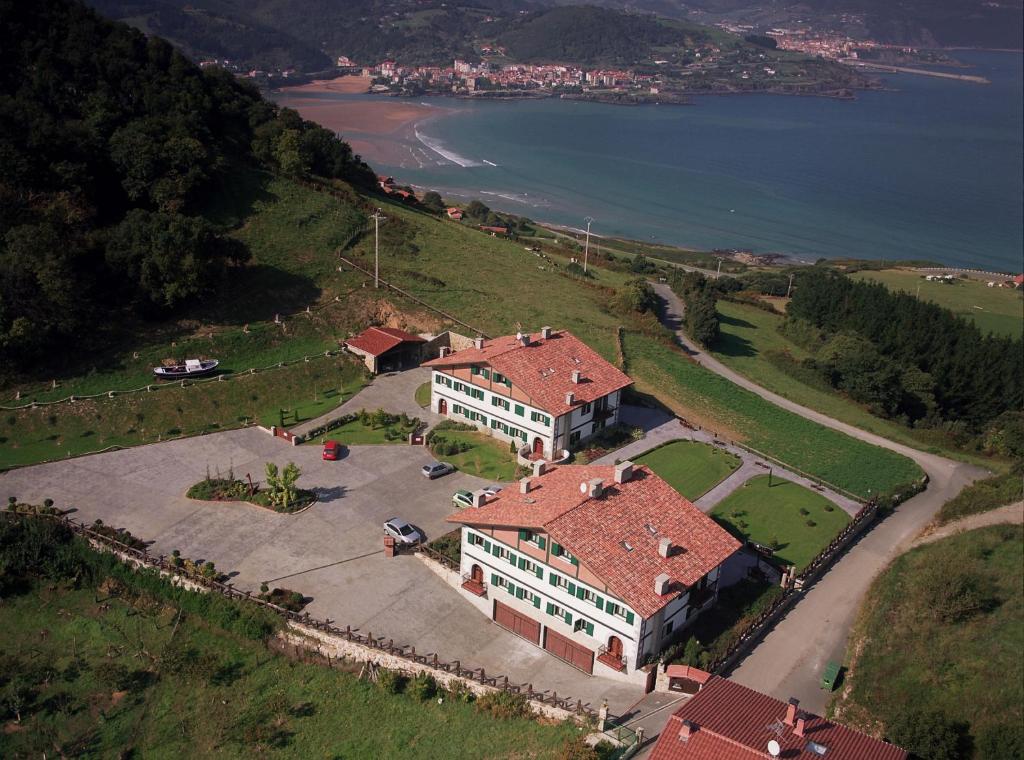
829, 508
423, 687
810, 523
264, 588
504, 705
47, 503
391, 681
578, 749
803, 512
458, 691
927, 735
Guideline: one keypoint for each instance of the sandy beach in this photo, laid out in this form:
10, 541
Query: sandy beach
379, 128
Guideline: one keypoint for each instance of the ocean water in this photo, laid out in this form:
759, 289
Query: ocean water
932, 170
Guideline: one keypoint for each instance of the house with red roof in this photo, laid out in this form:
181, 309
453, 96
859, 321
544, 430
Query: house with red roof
386, 349
546, 390
727, 721
600, 565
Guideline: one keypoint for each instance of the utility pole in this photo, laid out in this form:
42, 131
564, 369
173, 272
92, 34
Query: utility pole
790, 286
377, 218
586, 247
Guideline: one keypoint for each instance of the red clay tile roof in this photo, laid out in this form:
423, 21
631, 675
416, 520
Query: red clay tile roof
687, 671
736, 723
543, 368
379, 340
638, 512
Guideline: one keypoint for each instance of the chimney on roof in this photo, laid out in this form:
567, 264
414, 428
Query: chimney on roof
445, 350
594, 488
665, 547
478, 342
539, 467
686, 730
791, 710
524, 485
661, 584
479, 498
577, 376
801, 726
623, 471
545, 332
570, 398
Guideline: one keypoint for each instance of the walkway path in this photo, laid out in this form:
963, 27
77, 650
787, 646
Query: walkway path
789, 661
1011, 513
394, 392
661, 428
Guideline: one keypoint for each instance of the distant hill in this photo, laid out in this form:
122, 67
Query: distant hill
112, 144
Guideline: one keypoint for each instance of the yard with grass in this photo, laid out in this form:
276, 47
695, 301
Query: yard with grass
713, 402
483, 456
365, 430
940, 632
691, 468
797, 522
104, 669
997, 310
751, 344
423, 395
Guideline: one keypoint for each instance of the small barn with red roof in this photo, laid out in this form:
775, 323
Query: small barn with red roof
386, 349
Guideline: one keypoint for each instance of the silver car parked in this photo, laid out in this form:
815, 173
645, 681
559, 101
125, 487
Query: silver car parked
401, 530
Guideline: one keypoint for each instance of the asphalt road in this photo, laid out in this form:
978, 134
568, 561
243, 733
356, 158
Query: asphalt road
790, 659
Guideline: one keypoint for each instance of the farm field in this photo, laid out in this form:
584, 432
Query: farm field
713, 402
111, 677
997, 310
943, 636
775, 515
691, 468
751, 344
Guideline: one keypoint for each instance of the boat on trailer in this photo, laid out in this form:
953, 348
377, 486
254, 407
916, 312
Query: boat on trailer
191, 368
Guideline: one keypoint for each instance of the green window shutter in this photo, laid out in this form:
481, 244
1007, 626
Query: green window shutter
600, 603
494, 579
555, 549
629, 618
512, 559
541, 543
496, 550
568, 618
475, 370
520, 410
507, 382
574, 561
486, 374
510, 588
540, 572
550, 609
487, 545
522, 534
519, 592
579, 592
590, 629
522, 563
553, 579
572, 589
536, 602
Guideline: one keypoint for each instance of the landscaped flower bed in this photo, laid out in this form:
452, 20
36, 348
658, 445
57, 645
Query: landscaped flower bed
280, 493
365, 428
283, 597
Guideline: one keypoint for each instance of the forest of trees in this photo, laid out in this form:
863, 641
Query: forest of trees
111, 145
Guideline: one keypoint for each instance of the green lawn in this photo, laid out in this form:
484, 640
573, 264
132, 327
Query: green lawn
423, 395
713, 402
941, 630
691, 468
751, 344
355, 433
998, 310
103, 678
983, 496
487, 457
766, 514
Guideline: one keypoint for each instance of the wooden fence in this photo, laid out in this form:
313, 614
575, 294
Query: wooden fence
379, 643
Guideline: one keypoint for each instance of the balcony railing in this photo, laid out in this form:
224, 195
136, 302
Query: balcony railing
616, 662
473, 586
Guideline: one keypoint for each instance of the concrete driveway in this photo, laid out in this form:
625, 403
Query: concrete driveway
332, 552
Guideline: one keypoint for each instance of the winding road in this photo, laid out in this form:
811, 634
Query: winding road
790, 659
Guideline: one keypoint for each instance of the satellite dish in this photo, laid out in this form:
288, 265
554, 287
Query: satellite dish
583, 487
773, 748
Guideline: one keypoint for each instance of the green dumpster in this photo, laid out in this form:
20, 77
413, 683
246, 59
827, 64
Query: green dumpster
831, 675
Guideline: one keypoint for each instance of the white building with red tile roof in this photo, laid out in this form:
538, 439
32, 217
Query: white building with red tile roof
727, 721
601, 565
548, 390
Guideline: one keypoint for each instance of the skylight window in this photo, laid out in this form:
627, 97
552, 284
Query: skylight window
817, 749
626, 545
651, 529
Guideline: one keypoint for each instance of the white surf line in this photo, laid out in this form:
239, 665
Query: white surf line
438, 147
489, 163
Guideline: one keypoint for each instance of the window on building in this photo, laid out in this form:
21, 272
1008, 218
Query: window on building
667, 631
574, 438
474, 370
559, 580
543, 419
555, 611
585, 409
590, 596
438, 379
485, 374
520, 410
583, 625
531, 598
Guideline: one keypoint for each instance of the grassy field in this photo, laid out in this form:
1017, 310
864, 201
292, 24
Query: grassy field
997, 310
355, 433
941, 631
767, 514
691, 468
423, 395
751, 344
713, 402
982, 496
486, 458
107, 678
62, 430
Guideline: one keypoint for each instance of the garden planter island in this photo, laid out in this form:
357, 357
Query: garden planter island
279, 492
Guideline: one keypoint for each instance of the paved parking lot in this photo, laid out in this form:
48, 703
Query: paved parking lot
331, 552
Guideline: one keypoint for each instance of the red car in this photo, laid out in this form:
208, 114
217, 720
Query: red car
332, 450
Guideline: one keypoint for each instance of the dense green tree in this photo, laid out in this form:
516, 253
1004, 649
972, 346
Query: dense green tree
432, 202
927, 735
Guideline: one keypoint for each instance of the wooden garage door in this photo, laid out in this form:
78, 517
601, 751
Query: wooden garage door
565, 648
516, 622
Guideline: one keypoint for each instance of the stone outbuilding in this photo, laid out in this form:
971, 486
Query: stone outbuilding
386, 349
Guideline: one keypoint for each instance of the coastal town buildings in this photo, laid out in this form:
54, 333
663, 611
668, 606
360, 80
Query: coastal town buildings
547, 390
600, 565
727, 721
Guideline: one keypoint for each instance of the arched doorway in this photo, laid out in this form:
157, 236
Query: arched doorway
477, 574
442, 406
538, 447
615, 647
